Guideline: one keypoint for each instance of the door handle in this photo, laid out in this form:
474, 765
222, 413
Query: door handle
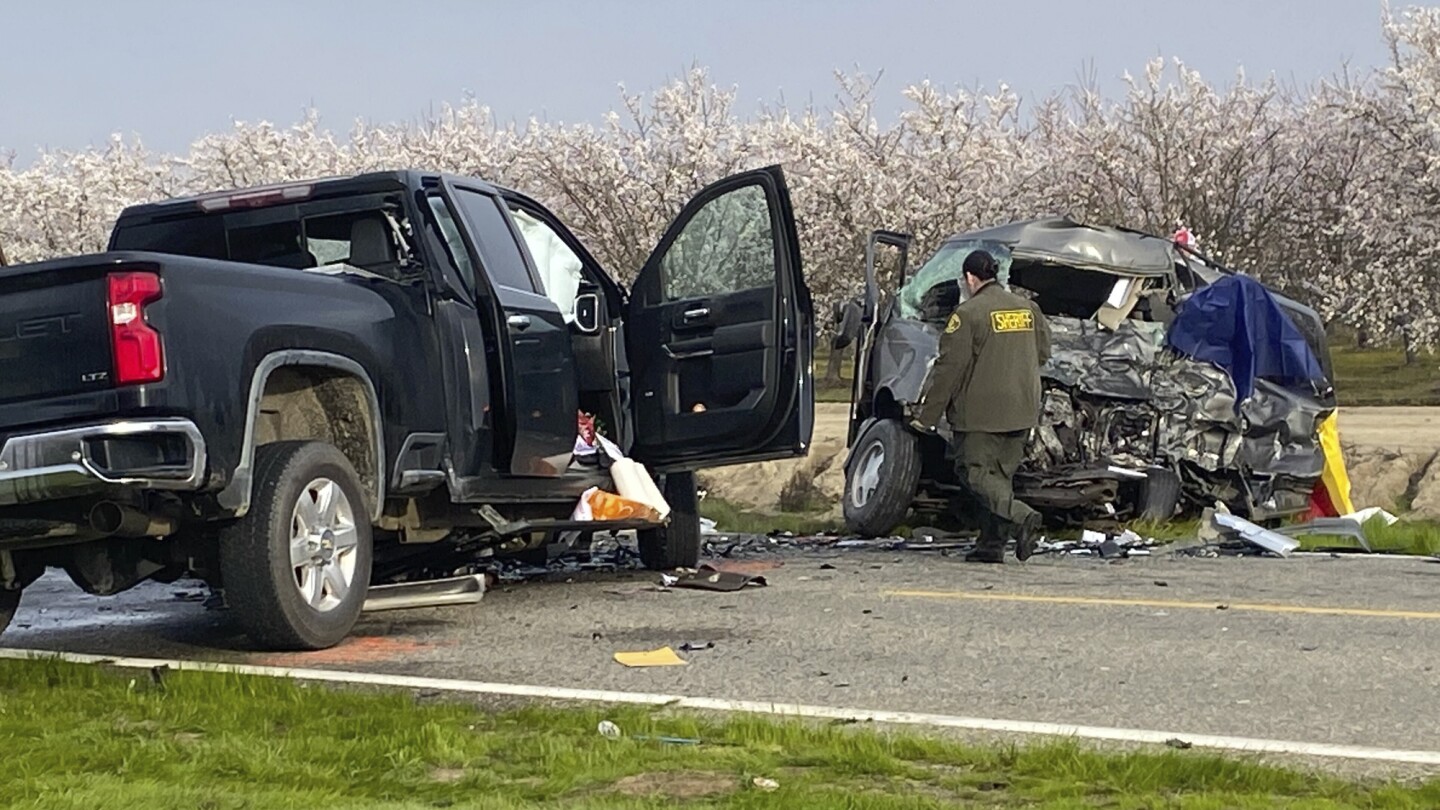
696, 314
518, 322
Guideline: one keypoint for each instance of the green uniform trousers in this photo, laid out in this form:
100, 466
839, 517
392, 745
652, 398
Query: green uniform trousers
986, 464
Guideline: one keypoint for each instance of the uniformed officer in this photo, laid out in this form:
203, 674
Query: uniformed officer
986, 381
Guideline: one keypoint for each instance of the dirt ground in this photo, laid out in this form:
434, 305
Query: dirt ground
1390, 453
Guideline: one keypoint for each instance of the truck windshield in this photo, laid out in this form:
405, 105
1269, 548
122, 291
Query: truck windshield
937, 287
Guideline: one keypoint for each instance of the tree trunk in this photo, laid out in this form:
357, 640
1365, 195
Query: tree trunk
832, 365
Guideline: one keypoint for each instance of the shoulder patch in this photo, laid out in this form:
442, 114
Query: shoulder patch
1012, 320
953, 325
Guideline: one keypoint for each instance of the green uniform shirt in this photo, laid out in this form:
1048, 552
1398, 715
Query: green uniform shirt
987, 378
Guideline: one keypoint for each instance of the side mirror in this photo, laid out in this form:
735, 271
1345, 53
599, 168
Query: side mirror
587, 313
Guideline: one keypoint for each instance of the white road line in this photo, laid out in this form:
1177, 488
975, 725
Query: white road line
1129, 735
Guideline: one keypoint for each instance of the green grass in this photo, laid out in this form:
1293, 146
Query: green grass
738, 520
1380, 377
83, 737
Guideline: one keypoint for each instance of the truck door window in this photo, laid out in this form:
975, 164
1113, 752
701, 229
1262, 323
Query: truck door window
561, 271
726, 247
454, 244
499, 252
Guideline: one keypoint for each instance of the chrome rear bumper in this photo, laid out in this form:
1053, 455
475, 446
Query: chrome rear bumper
166, 454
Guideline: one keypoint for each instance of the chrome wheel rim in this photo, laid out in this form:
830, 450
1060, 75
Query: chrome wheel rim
324, 545
867, 475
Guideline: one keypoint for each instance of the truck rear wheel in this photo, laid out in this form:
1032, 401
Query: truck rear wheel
9, 602
296, 568
678, 544
880, 478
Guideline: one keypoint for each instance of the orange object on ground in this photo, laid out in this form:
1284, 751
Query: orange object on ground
604, 505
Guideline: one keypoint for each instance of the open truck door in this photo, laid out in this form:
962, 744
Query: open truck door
720, 332
536, 361
861, 391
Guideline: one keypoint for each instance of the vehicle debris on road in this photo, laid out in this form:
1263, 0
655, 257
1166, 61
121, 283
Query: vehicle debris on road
663, 657
1100, 544
709, 579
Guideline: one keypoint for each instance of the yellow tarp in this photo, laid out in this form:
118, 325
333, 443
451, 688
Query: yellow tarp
1336, 480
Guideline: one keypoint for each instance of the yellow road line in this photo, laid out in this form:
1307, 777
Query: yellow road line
1165, 603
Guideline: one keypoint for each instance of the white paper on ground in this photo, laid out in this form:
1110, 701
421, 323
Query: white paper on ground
1363, 516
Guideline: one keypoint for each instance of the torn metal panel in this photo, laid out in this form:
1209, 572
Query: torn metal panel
1273, 542
1058, 240
1337, 527
1280, 429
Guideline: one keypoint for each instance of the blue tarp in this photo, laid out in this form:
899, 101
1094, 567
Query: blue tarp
1236, 324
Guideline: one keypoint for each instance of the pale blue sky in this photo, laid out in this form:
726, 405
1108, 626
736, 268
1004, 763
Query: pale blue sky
73, 72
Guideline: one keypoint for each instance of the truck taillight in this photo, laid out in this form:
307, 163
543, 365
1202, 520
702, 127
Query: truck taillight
138, 351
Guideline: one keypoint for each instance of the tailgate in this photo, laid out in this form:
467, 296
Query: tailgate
54, 333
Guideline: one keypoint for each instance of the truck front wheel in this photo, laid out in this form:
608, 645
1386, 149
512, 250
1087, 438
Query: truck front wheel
880, 478
297, 566
676, 545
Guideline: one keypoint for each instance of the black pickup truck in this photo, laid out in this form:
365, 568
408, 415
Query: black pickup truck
297, 391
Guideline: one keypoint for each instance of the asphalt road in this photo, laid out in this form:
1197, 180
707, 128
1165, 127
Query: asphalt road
1323, 650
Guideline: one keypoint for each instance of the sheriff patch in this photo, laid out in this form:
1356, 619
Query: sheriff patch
1012, 320
953, 325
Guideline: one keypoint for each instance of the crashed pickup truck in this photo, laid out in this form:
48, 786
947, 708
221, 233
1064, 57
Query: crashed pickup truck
300, 391
1173, 383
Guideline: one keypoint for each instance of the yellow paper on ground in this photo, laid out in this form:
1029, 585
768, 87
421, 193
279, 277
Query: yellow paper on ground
663, 657
1337, 481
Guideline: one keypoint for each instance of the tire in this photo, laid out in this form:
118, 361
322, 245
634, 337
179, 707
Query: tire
264, 582
676, 545
1159, 495
880, 478
9, 602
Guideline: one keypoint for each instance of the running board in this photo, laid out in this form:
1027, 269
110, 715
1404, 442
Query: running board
465, 590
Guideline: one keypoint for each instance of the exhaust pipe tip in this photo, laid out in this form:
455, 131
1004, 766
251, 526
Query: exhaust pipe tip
107, 517
110, 519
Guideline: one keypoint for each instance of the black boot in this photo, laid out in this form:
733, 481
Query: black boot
991, 546
1026, 538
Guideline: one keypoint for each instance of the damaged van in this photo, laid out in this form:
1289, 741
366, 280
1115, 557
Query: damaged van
1173, 383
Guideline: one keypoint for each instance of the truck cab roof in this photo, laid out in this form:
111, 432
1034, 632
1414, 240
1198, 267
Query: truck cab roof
294, 191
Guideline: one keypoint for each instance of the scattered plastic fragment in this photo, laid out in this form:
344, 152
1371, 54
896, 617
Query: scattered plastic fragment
765, 784
609, 730
722, 581
696, 646
1256, 535
663, 657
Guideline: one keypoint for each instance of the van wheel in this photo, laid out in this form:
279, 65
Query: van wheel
9, 603
678, 544
1159, 495
880, 478
297, 566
